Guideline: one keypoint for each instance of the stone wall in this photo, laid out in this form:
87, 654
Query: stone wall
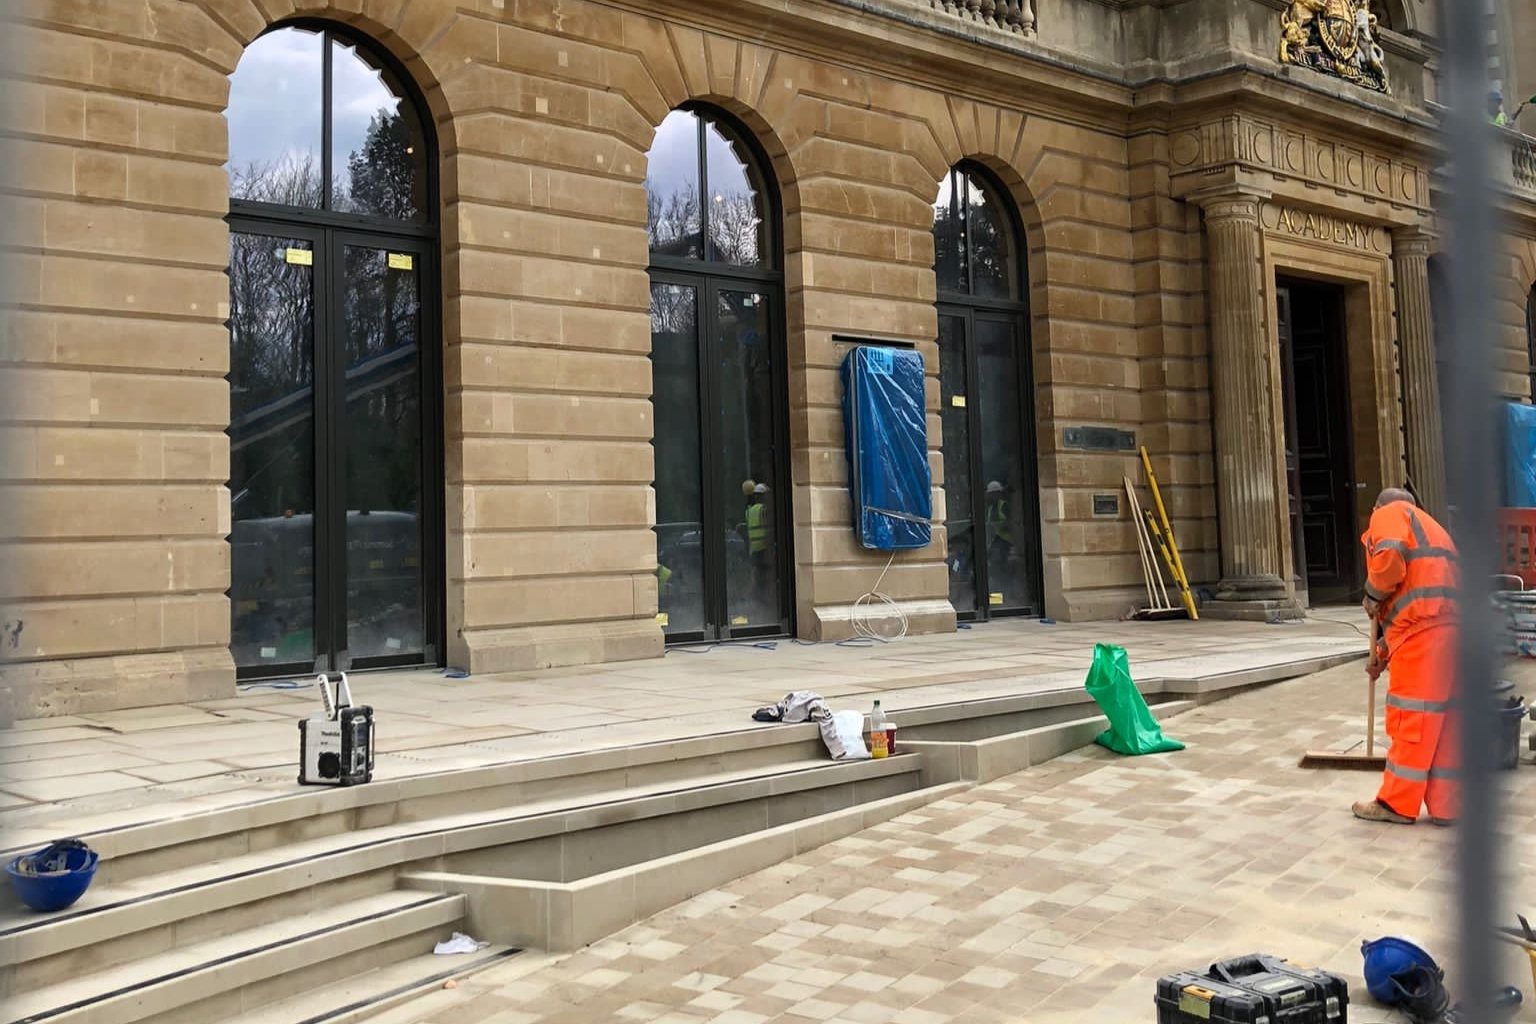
116, 453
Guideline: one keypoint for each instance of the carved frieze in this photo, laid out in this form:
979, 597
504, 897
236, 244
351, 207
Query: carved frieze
1334, 37
1254, 144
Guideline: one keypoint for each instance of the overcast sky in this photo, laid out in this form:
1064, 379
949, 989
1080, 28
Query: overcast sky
274, 101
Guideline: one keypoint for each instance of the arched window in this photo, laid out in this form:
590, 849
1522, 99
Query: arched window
335, 476
719, 387
986, 399
1530, 339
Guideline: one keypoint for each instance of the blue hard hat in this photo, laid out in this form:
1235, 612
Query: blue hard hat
1390, 956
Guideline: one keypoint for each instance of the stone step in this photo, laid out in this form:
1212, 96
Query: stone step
117, 922
219, 977
363, 996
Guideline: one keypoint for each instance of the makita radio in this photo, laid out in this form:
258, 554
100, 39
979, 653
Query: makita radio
336, 748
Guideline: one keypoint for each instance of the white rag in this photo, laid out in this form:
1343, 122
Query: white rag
458, 943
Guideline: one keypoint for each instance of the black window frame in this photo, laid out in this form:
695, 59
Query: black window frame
330, 233
1530, 341
707, 277
968, 307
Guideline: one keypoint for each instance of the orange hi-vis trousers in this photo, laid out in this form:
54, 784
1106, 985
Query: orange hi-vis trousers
1422, 763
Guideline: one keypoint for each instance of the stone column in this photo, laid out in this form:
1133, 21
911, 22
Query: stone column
1411, 250
1249, 450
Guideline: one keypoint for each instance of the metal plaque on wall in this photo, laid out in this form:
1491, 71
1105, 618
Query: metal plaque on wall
1099, 439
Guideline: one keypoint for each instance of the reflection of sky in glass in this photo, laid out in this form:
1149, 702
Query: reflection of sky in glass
276, 114
358, 93
275, 100
672, 176
674, 157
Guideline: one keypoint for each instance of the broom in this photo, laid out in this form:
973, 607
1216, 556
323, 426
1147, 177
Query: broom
1350, 759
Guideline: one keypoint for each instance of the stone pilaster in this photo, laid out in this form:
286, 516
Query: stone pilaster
1249, 450
1411, 250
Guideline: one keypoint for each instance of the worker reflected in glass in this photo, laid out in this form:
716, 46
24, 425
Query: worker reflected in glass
999, 523
758, 527
1410, 596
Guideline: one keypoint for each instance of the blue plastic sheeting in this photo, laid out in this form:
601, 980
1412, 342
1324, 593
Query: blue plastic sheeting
1520, 455
886, 427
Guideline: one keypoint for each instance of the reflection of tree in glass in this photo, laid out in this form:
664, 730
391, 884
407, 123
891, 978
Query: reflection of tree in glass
381, 178
735, 228
293, 179
271, 312
673, 223
974, 234
381, 313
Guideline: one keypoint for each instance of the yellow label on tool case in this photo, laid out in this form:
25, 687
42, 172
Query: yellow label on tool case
1196, 1002
299, 257
401, 261
995, 599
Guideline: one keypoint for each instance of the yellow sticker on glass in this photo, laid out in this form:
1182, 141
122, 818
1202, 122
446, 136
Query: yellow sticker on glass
958, 401
739, 620
299, 257
401, 261
995, 599
661, 619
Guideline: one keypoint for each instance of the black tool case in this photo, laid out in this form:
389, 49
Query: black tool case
1255, 989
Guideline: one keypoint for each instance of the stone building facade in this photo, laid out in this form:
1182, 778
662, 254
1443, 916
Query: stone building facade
565, 283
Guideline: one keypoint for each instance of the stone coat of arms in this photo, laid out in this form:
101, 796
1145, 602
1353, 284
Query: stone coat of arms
1336, 37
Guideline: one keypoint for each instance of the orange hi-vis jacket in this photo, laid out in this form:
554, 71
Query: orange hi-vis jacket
1411, 570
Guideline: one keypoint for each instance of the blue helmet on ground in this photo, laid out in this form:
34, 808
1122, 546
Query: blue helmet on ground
1388, 957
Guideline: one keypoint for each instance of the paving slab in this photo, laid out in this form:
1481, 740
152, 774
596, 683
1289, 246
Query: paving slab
1059, 894
175, 759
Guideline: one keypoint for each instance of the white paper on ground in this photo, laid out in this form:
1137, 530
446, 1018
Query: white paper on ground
458, 943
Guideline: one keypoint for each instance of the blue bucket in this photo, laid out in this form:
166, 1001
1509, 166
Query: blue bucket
54, 877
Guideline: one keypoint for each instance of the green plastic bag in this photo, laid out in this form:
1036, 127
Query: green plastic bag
1132, 729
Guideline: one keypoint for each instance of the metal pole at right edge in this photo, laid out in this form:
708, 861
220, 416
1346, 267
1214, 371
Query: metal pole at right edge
1472, 433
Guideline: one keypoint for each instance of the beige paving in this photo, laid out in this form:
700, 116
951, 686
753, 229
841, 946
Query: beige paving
1058, 894
94, 771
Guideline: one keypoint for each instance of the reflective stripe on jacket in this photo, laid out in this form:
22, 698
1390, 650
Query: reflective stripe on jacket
757, 528
1411, 569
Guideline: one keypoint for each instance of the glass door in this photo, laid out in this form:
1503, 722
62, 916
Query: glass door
379, 504
330, 513
273, 442
721, 460
989, 475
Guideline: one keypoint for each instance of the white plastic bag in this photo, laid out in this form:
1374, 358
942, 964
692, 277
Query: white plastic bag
843, 734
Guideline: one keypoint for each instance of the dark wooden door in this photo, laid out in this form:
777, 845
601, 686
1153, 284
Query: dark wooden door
1292, 461
1323, 478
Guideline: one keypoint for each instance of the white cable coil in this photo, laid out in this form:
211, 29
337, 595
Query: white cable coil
864, 621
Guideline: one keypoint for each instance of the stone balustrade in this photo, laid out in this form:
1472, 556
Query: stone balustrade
1522, 163
1009, 15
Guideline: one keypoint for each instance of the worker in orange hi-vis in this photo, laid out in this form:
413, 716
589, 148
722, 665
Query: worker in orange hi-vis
1410, 592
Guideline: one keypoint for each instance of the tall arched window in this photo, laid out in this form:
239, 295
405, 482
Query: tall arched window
719, 386
986, 399
1530, 338
335, 464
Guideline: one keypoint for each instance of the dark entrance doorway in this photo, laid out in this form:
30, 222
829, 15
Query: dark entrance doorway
1319, 454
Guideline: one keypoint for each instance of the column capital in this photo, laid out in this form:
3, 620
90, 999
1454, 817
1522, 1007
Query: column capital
1230, 201
1415, 241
